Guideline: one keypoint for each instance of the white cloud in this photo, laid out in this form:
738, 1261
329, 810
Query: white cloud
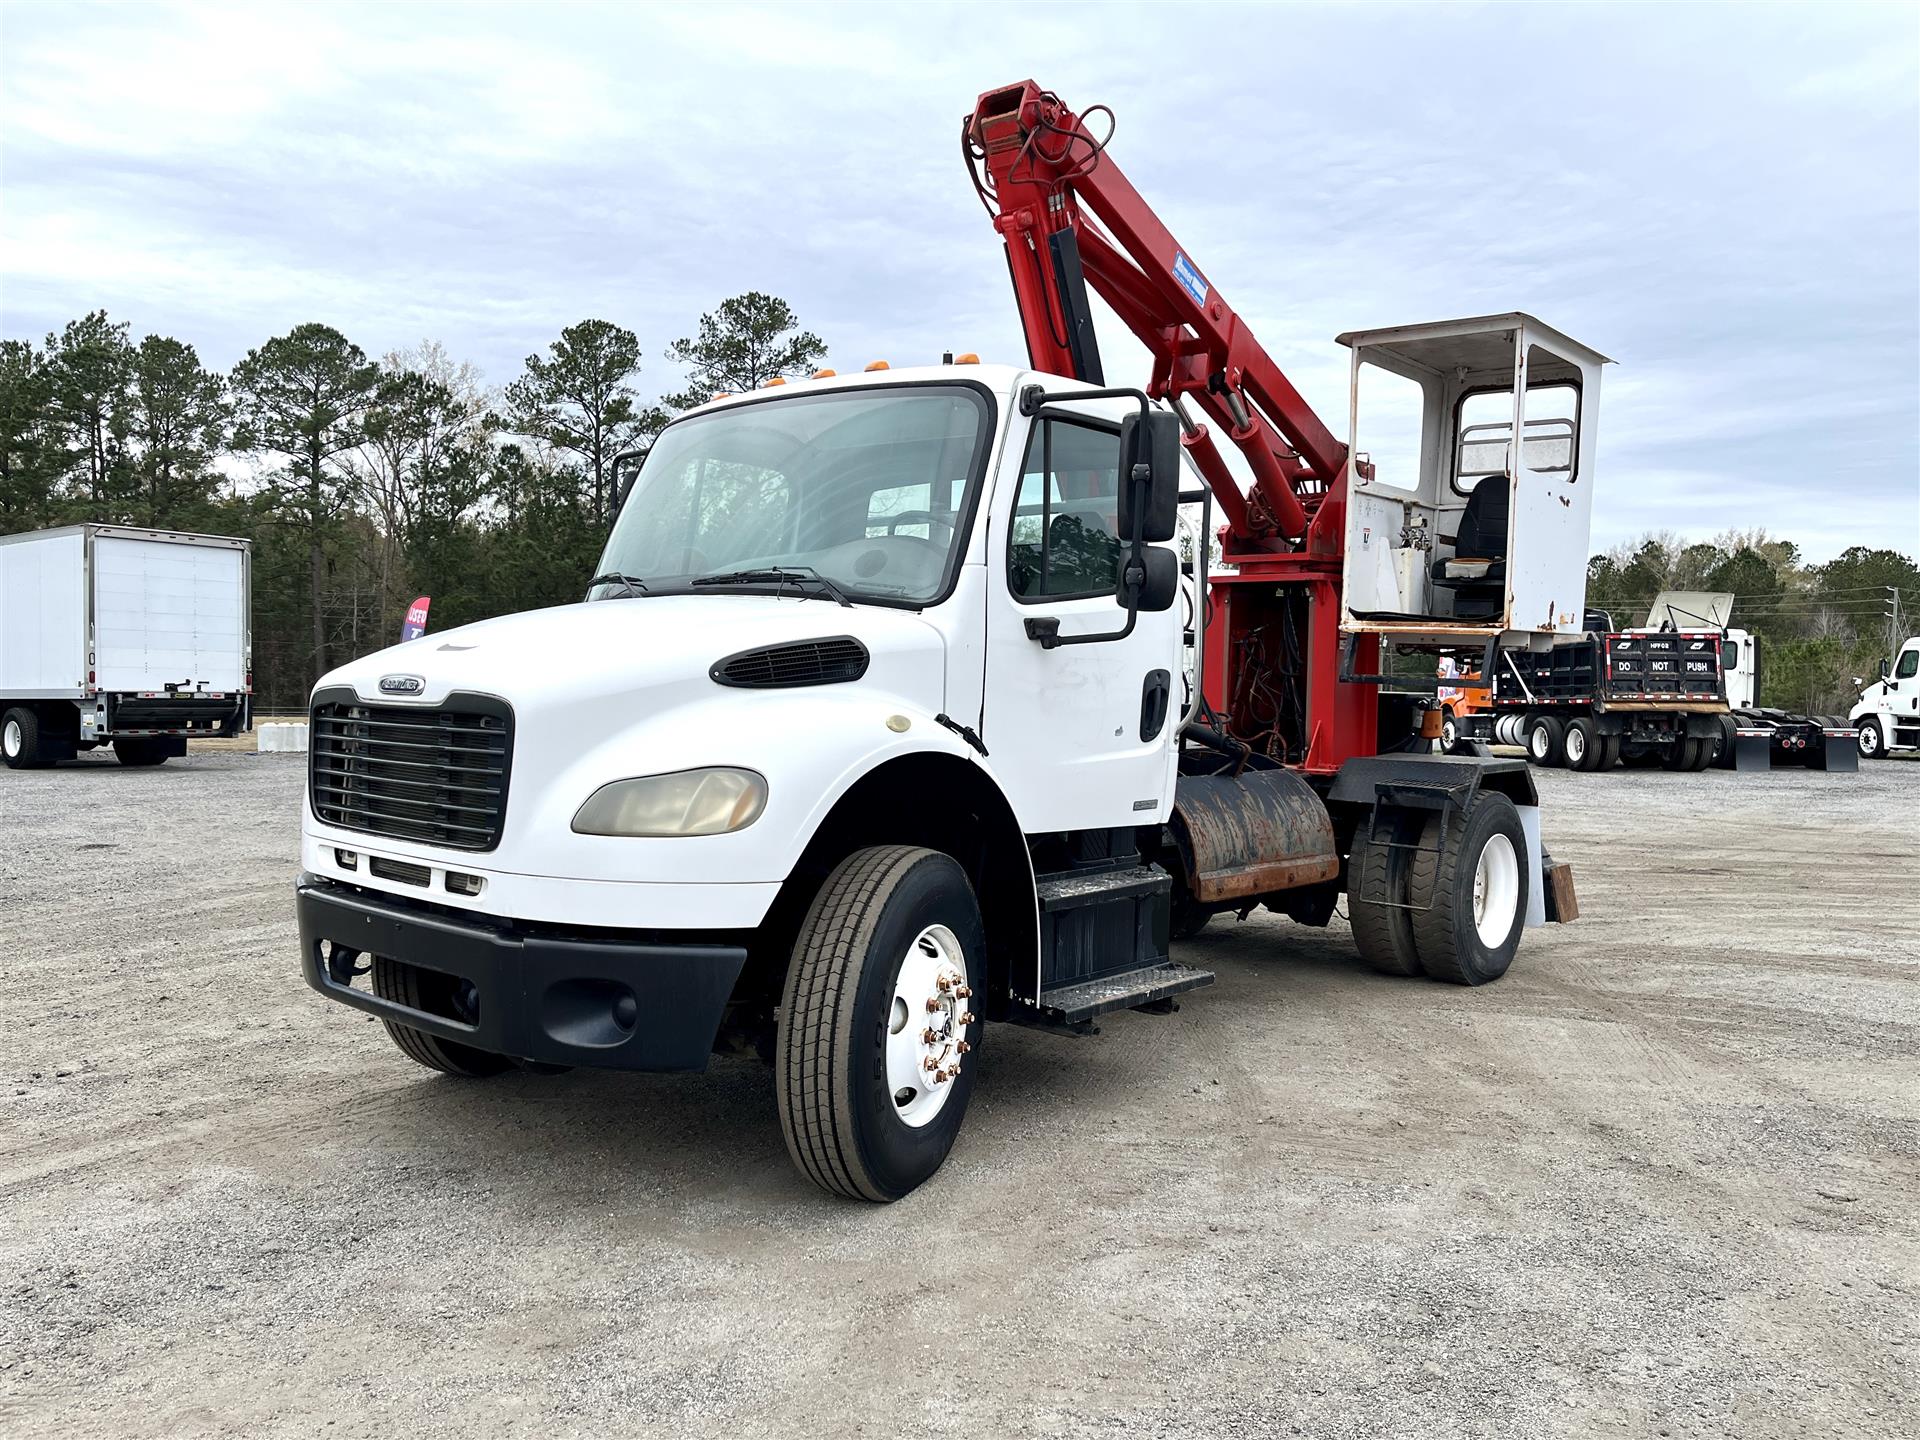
1733, 212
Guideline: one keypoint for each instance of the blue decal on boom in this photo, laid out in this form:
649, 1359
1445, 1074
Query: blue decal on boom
1190, 279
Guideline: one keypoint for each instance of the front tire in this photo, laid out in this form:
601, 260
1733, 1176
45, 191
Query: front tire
1468, 889
1872, 743
410, 986
20, 739
874, 1020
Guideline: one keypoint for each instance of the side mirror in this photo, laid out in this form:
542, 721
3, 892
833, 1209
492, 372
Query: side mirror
1150, 442
1886, 669
1152, 585
633, 460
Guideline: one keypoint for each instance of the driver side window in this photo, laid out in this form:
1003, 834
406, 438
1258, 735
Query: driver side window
1064, 542
1909, 663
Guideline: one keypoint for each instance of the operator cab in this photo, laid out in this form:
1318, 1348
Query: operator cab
1451, 534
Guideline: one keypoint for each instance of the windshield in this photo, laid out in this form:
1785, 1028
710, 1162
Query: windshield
870, 489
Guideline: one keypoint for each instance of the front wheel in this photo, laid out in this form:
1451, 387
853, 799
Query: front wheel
1873, 745
875, 1018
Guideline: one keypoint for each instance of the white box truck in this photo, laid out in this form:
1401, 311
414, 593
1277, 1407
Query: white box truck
115, 635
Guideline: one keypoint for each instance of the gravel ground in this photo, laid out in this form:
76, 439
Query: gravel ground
1660, 1180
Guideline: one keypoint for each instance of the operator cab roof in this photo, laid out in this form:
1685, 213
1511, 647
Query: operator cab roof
1477, 342
998, 378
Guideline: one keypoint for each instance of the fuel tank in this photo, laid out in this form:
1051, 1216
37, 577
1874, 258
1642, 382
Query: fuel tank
1241, 837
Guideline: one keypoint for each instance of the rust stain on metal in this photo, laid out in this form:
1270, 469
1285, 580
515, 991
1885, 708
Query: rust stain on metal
1261, 833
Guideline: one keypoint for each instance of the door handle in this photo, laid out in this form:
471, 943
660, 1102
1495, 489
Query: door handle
1154, 693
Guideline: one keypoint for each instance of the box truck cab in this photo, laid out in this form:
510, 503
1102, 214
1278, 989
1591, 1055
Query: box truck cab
869, 730
115, 635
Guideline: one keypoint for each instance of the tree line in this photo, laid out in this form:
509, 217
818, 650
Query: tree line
361, 482
1822, 628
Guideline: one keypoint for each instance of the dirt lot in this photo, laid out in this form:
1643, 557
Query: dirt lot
1660, 1180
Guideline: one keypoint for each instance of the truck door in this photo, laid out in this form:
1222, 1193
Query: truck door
1079, 734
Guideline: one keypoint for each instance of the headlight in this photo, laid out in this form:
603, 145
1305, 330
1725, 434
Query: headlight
689, 802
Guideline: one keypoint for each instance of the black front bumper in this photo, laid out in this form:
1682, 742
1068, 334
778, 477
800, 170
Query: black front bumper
615, 1004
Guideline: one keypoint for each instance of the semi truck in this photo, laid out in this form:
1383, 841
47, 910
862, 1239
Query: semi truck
116, 635
876, 726
1887, 716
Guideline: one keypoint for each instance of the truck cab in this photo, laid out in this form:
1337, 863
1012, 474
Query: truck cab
1455, 534
1888, 711
875, 724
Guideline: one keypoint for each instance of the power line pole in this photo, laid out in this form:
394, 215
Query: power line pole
1894, 633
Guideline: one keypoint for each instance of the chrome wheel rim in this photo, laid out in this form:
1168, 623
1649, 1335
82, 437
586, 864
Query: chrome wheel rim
926, 1025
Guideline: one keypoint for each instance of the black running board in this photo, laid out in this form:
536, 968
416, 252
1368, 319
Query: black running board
1076, 1006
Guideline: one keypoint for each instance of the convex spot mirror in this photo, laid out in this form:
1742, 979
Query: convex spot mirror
1152, 440
1153, 586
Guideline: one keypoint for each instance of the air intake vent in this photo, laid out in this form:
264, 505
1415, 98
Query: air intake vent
832, 661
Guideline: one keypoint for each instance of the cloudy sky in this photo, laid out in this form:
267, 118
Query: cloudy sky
1724, 200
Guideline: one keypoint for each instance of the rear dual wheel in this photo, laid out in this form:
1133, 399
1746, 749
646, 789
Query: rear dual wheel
1546, 741
1444, 894
20, 739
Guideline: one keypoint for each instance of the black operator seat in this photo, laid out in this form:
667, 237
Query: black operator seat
1477, 570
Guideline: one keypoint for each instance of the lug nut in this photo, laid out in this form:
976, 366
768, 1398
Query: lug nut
967, 1018
963, 991
963, 1047
928, 1036
930, 1064
944, 983
933, 1004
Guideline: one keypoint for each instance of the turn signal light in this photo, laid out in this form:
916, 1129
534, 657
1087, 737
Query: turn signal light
878, 365
777, 380
825, 374
969, 358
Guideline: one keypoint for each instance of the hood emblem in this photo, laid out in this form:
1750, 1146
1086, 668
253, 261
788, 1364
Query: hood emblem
401, 684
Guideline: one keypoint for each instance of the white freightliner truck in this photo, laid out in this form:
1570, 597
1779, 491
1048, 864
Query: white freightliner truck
1888, 711
877, 726
122, 636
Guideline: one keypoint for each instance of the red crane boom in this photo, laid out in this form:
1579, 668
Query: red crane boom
1070, 220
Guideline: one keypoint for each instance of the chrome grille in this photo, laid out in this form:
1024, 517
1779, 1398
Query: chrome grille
437, 775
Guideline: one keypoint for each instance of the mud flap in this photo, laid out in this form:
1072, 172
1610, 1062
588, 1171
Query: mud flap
1536, 868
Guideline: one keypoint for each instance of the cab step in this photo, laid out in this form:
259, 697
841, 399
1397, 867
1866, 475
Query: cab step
1074, 889
1081, 1003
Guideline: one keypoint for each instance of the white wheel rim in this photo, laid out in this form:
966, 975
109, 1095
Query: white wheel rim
1576, 746
13, 737
926, 1025
1537, 742
1449, 735
1869, 738
1496, 891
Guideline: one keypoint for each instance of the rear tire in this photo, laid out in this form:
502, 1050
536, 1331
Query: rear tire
1546, 741
403, 983
1383, 928
138, 751
1684, 755
1722, 745
1609, 752
20, 740
873, 973
1469, 897
1449, 732
1582, 745
1872, 741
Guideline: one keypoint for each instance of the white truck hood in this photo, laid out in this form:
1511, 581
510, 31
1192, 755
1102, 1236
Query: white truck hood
541, 660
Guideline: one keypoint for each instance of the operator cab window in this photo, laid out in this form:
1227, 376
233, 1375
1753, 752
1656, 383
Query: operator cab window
1485, 431
1064, 540
1909, 662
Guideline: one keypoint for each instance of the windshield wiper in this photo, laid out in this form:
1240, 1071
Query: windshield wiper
781, 573
635, 585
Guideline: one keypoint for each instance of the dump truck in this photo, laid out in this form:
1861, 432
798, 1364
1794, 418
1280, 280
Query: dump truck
116, 635
879, 725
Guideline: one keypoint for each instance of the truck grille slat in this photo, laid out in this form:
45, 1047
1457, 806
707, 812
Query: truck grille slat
438, 776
